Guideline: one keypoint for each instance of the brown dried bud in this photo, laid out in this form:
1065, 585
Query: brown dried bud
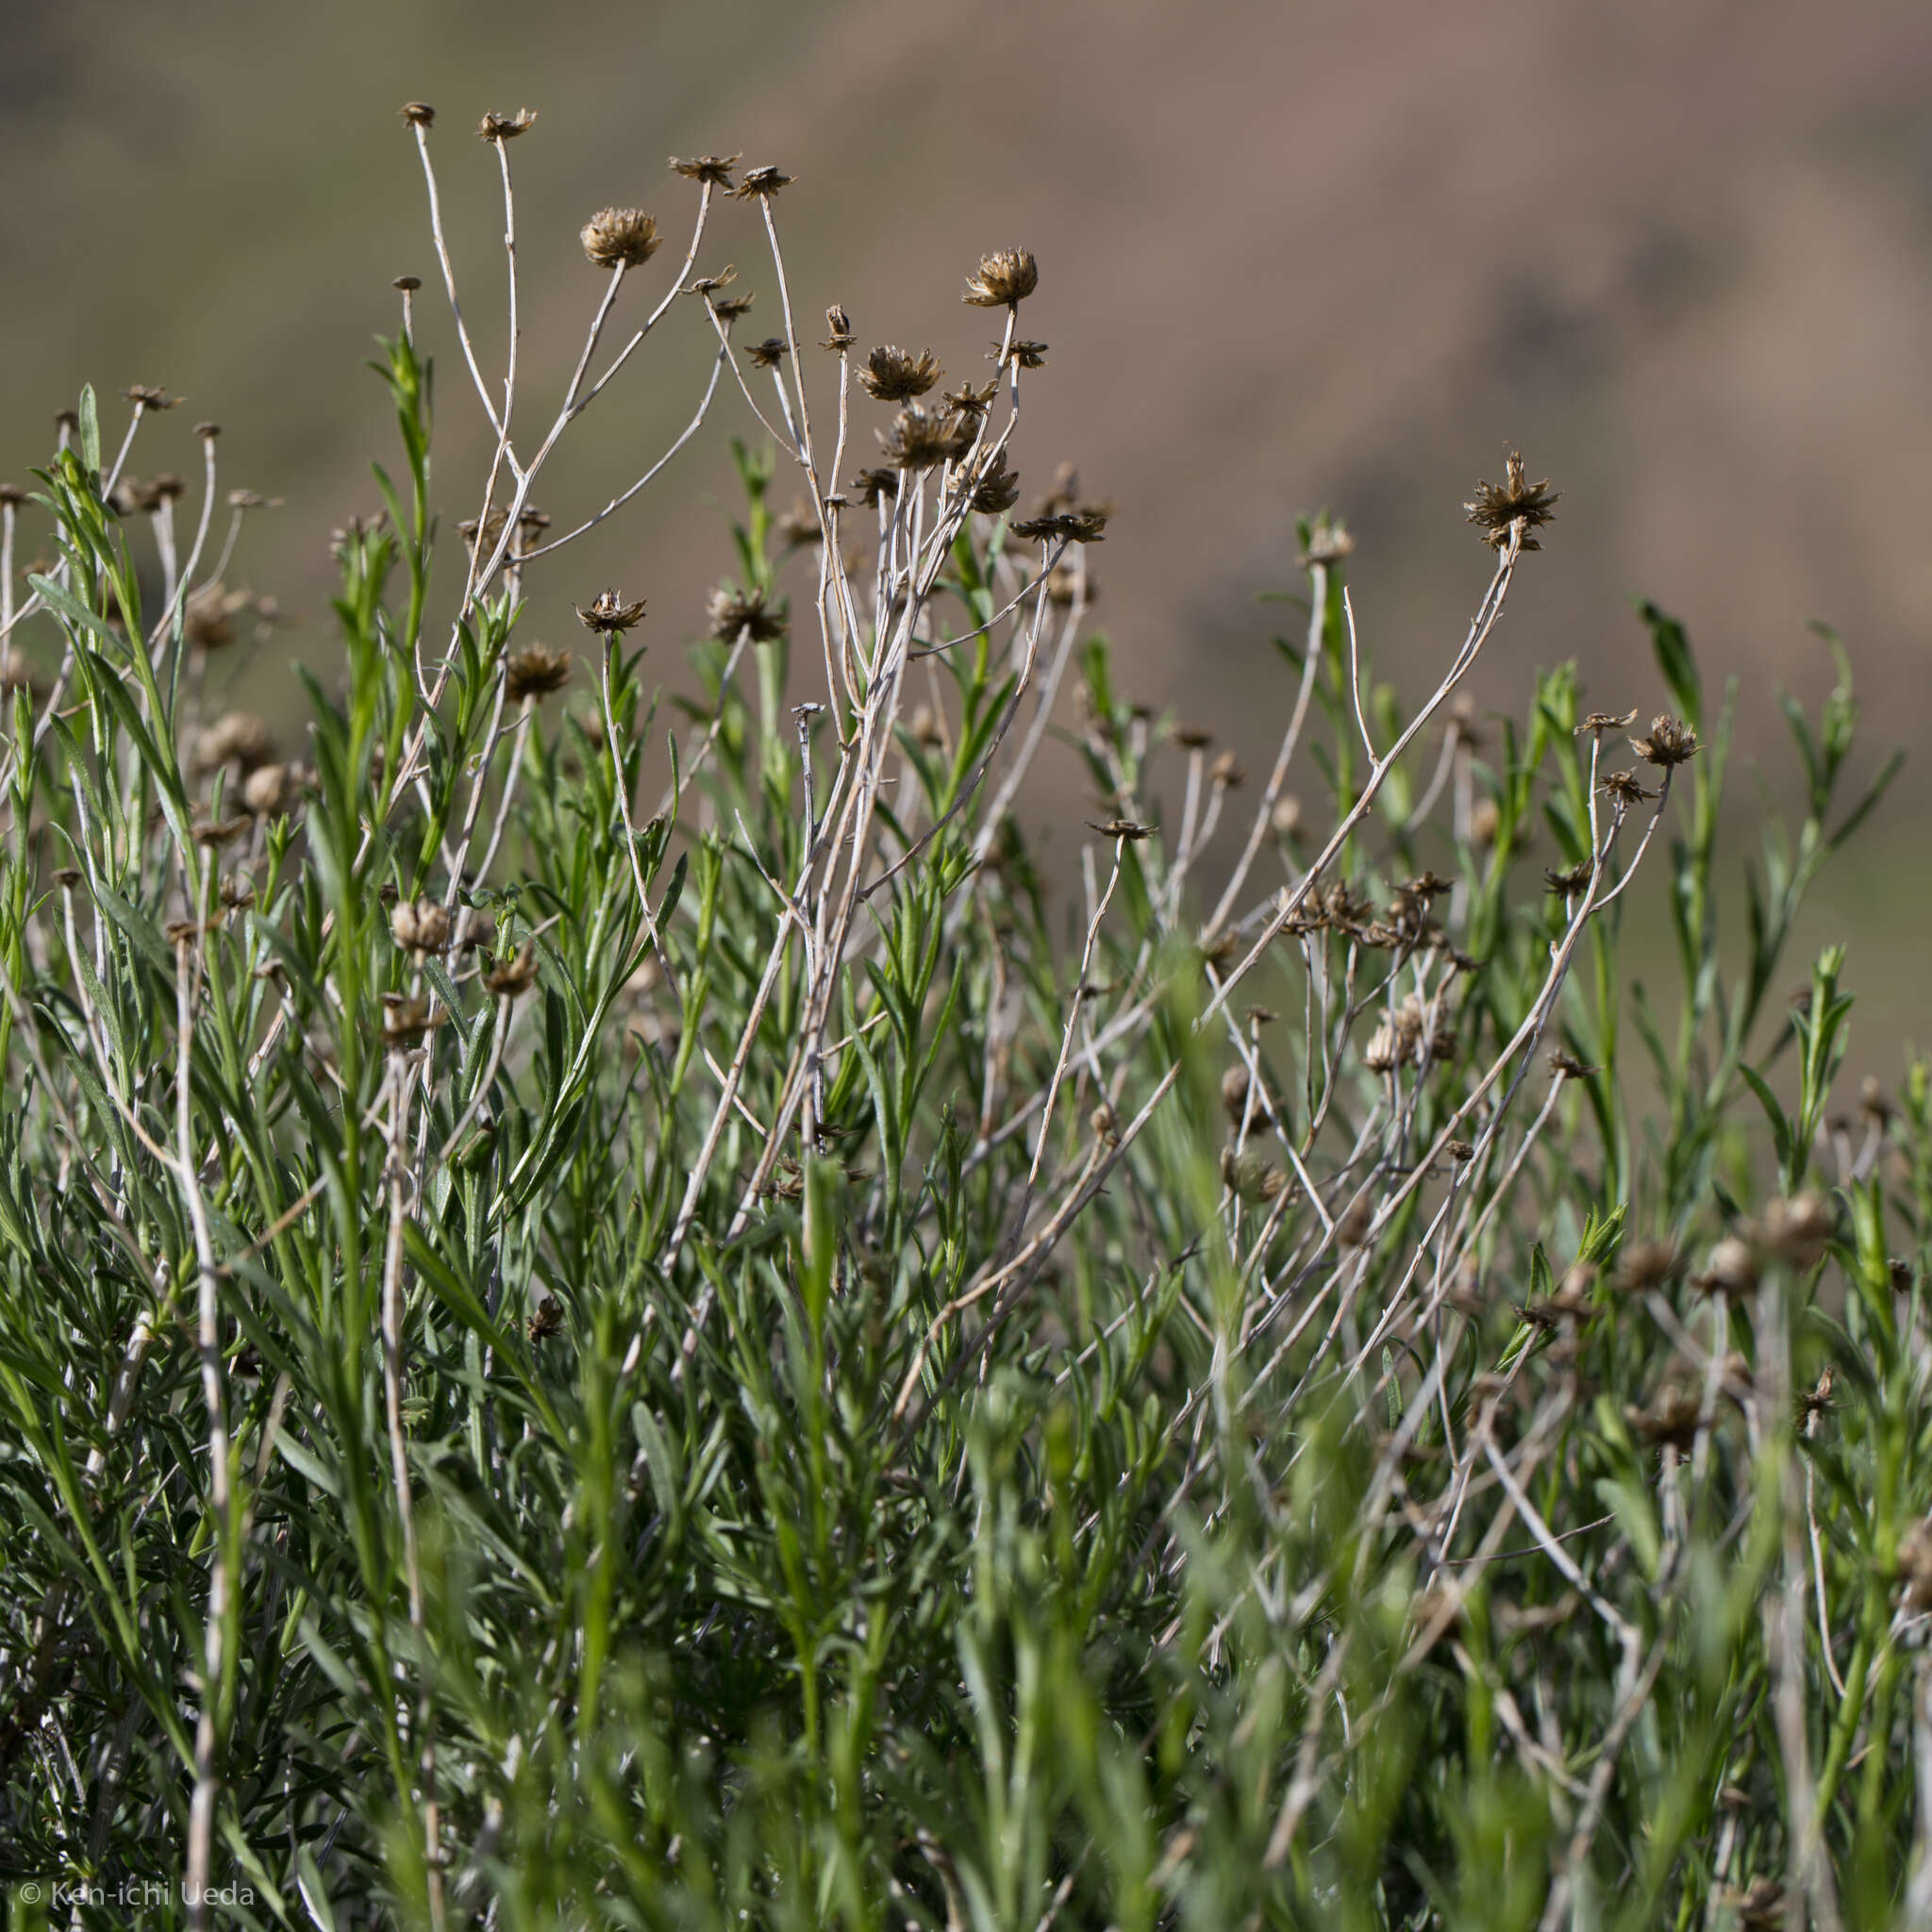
769, 353
535, 673
1600, 722
1625, 788
420, 926
511, 977
1024, 354
840, 324
609, 612
1328, 543
407, 284
505, 127
269, 790
1287, 816
151, 395
620, 237
1729, 1270
1242, 1100
893, 375
236, 738
709, 171
728, 309
998, 488
1515, 505
1671, 743
760, 184
1798, 1231
419, 113
734, 613
873, 487
1003, 279
1226, 771
921, 436
546, 1319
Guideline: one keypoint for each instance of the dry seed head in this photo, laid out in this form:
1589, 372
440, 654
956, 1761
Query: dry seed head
710, 170
609, 612
1330, 543
769, 353
1068, 584
1193, 737
620, 237
168, 486
998, 487
1568, 1067
546, 1319
872, 486
1729, 1270
236, 738
405, 1021
254, 499
728, 309
972, 402
1226, 772
798, 525
1671, 743
269, 790
710, 285
921, 436
1024, 354
733, 613
407, 284
1514, 504
1003, 279
419, 113
511, 977
1626, 788
1798, 1230
760, 184
1287, 815
535, 672
420, 926
893, 375
151, 395
505, 127
1235, 1091
840, 326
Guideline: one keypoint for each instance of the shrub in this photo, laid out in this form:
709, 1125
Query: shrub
574, 1361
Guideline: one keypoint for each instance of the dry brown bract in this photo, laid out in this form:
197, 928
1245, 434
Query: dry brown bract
1625, 788
769, 353
1600, 722
761, 183
506, 127
1671, 743
420, 926
535, 672
970, 401
1006, 276
1029, 355
1071, 526
998, 489
921, 436
1515, 505
713, 171
609, 612
733, 613
511, 977
892, 375
621, 238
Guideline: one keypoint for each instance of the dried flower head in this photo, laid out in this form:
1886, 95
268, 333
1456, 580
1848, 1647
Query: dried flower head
840, 326
1568, 1067
1600, 722
728, 309
505, 127
404, 1021
1068, 584
1242, 1100
420, 926
1671, 1417
168, 486
609, 612
1328, 543
710, 285
709, 171
1128, 830
407, 284
1730, 1269
1798, 1230
236, 738
998, 488
921, 436
620, 237
760, 184
150, 395
1625, 788
1226, 771
535, 672
419, 113
1671, 743
972, 402
1514, 506
1003, 279
798, 525
892, 375
511, 977
1024, 353
873, 487
769, 353
269, 790
1287, 815
254, 499
733, 613
1064, 526
546, 1319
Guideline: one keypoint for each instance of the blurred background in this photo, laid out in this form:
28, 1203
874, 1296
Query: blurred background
1293, 252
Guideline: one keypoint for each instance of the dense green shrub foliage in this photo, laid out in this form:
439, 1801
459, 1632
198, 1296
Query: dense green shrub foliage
569, 1359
